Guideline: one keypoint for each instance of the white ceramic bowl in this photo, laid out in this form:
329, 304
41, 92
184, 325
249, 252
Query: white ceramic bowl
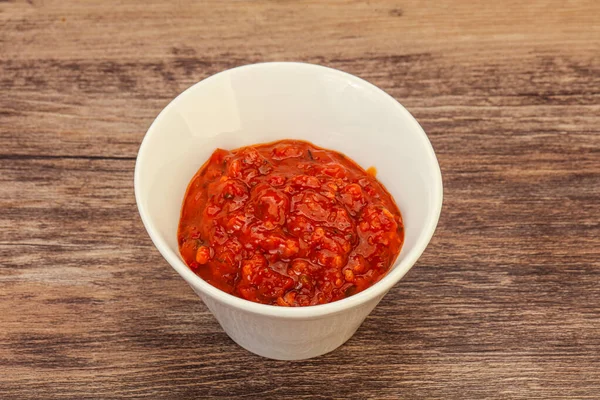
266, 102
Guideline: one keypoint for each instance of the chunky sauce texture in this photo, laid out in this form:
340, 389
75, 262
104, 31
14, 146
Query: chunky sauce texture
289, 224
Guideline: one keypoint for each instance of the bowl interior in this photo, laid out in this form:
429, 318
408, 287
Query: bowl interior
266, 102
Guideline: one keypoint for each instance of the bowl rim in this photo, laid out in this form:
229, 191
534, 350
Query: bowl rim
307, 312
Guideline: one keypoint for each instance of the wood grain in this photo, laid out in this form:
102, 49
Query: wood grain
505, 302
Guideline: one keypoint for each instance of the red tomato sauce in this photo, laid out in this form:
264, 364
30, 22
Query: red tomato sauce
289, 224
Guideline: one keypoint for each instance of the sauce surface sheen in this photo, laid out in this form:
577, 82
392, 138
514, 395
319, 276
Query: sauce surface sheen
289, 224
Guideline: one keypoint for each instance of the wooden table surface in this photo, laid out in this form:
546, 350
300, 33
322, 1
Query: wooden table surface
504, 303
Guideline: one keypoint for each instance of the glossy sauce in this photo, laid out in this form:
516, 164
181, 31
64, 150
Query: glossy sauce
289, 224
